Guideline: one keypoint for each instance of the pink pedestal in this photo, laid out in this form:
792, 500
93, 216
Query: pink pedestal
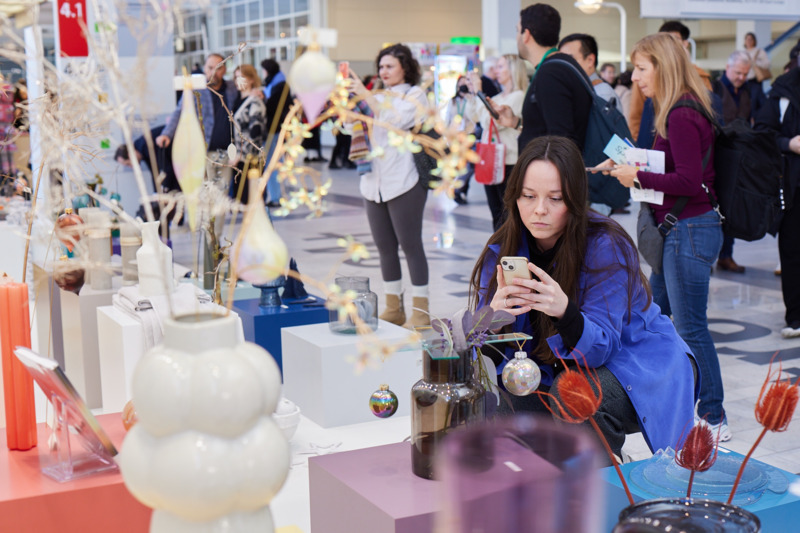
370, 490
32, 502
374, 490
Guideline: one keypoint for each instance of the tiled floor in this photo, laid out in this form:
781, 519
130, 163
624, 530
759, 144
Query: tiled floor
745, 310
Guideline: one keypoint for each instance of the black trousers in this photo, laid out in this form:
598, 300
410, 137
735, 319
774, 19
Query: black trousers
616, 415
494, 196
789, 250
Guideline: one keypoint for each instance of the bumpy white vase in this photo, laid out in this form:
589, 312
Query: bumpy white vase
206, 454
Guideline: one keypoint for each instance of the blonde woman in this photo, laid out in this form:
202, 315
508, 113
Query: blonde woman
250, 122
511, 75
663, 72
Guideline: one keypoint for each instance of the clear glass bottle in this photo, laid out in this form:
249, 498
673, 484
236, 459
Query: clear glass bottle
366, 303
446, 397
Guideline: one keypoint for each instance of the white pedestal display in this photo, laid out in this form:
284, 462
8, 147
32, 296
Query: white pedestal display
205, 454
319, 373
79, 326
120, 340
121, 344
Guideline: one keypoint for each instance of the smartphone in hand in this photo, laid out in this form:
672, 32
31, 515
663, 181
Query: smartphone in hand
488, 105
344, 69
514, 267
599, 169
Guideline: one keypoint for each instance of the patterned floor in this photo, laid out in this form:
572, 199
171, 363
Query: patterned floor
745, 310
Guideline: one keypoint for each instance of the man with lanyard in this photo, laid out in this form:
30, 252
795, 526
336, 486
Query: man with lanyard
216, 122
557, 102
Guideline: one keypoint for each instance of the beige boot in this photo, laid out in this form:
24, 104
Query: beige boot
418, 317
394, 311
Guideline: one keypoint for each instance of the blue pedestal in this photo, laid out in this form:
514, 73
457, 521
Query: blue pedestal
263, 325
777, 512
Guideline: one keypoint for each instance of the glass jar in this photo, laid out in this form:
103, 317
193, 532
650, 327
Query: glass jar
447, 396
686, 514
366, 303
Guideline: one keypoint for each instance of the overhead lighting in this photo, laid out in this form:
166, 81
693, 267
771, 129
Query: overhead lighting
589, 6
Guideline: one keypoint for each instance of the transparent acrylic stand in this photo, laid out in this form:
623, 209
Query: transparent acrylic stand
440, 348
78, 445
74, 453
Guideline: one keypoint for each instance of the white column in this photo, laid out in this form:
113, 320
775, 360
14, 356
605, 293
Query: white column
35, 78
761, 28
499, 23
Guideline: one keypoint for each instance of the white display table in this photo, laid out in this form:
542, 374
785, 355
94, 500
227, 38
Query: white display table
320, 375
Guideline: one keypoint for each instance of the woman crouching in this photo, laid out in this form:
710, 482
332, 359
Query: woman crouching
588, 302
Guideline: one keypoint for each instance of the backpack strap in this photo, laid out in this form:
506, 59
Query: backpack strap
579, 73
691, 104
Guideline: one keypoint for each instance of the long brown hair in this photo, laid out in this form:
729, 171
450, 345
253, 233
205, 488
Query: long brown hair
569, 260
674, 76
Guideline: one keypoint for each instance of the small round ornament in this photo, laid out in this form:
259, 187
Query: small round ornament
521, 376
383, 402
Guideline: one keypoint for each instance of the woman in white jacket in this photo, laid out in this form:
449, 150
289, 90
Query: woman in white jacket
394, 197
512, 76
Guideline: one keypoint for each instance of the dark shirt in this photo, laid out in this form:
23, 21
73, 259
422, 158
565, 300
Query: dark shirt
735, 104
163, 157
274, 109
489, 86
557, 103
569, 326
221, 134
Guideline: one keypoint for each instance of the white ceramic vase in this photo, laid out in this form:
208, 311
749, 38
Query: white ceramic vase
206, 454
154, 263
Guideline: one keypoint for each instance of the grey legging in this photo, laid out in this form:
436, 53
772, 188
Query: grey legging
398, 222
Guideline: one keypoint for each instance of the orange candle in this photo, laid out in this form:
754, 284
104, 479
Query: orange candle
15, 330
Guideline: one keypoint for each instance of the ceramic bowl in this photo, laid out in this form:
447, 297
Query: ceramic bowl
287, 416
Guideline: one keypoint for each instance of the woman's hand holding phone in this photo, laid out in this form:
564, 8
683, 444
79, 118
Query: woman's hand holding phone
489, 106
524, 293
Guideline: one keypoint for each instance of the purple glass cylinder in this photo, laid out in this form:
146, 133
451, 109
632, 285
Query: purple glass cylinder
534, 474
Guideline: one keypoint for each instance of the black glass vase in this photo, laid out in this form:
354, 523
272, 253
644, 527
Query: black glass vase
686, 514
447, 396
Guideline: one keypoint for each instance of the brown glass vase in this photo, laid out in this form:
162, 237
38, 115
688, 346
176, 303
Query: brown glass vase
447, 396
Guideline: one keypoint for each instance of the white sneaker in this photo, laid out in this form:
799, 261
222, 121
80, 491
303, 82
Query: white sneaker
789, 332
722, 430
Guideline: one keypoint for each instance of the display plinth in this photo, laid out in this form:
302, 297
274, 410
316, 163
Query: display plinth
371, 490
50, 337
262, 325
81, 350
30, 501
121, 344
777, 512
319, 373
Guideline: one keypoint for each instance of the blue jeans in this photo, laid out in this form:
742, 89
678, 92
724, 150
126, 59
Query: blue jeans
681, 290
273, 185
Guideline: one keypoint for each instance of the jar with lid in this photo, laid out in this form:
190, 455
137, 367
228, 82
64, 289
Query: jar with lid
365, 301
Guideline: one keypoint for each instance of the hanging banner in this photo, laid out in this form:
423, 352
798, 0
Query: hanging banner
722, 9
71, 24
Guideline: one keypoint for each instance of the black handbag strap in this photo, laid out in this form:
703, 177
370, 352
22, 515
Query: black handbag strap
672, 217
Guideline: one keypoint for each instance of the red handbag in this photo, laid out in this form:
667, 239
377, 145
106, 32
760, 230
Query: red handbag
491, 169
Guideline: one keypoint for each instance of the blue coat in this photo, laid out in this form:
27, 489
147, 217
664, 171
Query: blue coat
229, 92
647, 355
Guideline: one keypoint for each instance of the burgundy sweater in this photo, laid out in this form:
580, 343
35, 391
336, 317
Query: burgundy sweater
689, 137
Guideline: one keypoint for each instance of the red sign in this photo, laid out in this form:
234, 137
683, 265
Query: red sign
71, 24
